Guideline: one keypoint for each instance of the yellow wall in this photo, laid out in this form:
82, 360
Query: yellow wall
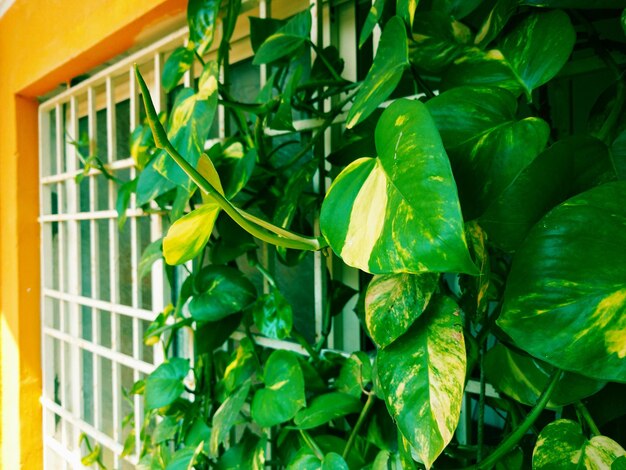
42, 43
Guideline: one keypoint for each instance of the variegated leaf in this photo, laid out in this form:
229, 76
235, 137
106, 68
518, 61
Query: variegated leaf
529, 56
188, 235
488, 146
392, 58
578, 4
405, 9
562, 444
393, 302
398, 212
422, 375
373, 17
286, 41
524, 378
566, 293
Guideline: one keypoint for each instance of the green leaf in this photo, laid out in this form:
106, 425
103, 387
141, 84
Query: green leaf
283, 118
304, 459
222, 291
373, 17
567, 168
261, 29
562, 444
539, 47
273, 315
438, 40
226, 416
189, 124
165, 384
151, 184
233, 241
618, 151
198, 432
524, 378
393, 302
422, 375
405, 9
286, 41
141, 145
392, 58
165, 430
334, 461
202, 18
236, 168
187, 236
247, 454
150, 255
283, 394
242, 367
325, 408
212, 334
183, 459
488, 146
409, 185
566, 291
355, 374
122, 203
179, 62
496, 20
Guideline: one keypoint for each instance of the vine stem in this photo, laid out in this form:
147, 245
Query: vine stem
357, 427
253, 225
582, 409
512, 439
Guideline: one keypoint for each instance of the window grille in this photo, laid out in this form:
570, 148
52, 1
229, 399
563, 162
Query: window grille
94, 307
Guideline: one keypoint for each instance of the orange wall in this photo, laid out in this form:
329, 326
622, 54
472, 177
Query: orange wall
42, 43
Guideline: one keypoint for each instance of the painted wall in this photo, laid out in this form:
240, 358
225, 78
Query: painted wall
43, 43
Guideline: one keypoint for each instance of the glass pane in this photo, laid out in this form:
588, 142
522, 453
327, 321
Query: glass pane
87, 387
143, 227
147, 353
105, 328
52, 149
102, 193
86, 322
106, 382
102, 258
122, 129
126, 335
85, 258
124, 260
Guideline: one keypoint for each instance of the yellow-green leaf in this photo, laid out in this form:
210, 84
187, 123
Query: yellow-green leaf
187, 236
562, 444
422, 375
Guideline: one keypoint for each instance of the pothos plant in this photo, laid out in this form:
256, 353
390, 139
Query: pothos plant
490, 238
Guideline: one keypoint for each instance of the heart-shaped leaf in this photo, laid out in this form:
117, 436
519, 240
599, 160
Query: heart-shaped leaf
562, 444
222, 291
187, 236
286, 41
327, 407
273, 315
422, 375
567, 168
247, 454
165, 384
392, 58
488, 146
566, 292
393, 302
283, 394
355, 374
202, 18
400, 211
226, 416
151, 184
524, 378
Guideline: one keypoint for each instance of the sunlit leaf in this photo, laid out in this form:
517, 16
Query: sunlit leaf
202, 19
179, 62
566, 292
562, 444
373, 17
389, 64
226, 416
409, 185
187, 236
422, 375
393, 302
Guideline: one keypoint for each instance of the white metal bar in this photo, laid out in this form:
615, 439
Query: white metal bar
108, 214
94, 264
116, 378
100, 304
101, 351
113, 165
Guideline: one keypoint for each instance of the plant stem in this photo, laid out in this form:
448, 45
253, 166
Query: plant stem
253, 225
312, 444
357, 427
582, 409
299, 337
512, 439
421, 83
330, 68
